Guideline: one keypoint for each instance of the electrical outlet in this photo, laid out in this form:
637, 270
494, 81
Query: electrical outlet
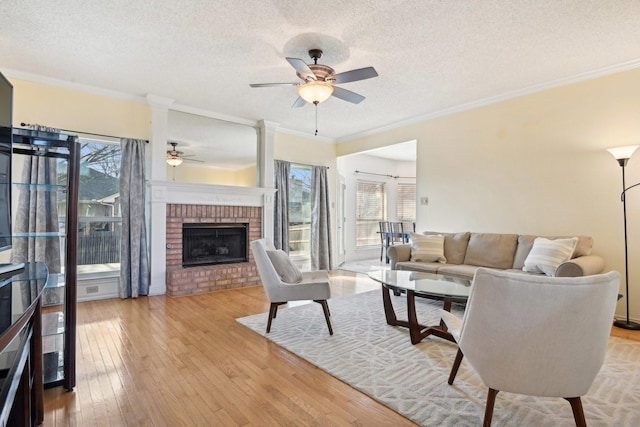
424, 201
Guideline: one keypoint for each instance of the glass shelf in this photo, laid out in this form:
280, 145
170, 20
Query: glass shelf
40, 187
39, 234
52, 324
56, 280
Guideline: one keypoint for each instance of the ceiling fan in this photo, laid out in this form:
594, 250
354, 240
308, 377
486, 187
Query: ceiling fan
175, 157
320, 81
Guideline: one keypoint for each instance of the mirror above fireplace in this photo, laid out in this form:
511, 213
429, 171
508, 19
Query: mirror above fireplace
215, 151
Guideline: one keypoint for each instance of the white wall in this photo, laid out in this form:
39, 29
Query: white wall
347, 166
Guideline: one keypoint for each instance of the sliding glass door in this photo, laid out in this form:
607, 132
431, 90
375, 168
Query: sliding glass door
300, 215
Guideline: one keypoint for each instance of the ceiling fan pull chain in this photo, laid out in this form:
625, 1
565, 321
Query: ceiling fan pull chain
316, 104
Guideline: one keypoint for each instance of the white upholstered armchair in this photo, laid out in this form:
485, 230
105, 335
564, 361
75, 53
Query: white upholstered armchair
283, 282
535, 335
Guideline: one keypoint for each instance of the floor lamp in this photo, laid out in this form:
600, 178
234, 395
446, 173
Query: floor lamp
622, 155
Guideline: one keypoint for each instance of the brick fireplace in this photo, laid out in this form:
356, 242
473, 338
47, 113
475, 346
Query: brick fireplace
207, 278
174, 203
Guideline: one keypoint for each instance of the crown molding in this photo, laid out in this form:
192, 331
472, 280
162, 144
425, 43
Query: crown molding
65, 84
565, 81
159, 101
206, 113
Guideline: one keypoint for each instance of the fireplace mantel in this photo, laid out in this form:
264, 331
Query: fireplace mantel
162, 193
205, 194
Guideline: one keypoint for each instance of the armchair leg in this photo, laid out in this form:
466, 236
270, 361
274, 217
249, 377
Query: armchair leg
456, 365
325, 308
578, 413
273, 310
488, 410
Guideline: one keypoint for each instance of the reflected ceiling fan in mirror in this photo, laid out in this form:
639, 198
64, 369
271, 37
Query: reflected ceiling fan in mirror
175, 158
320, 82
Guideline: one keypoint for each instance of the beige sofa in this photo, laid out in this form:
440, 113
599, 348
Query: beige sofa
466, 252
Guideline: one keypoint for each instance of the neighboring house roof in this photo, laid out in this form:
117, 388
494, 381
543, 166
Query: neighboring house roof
97, 185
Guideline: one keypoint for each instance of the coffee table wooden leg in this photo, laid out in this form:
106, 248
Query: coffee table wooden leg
414, 326
389, 313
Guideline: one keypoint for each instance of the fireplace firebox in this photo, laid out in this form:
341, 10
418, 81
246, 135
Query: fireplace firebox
214, 243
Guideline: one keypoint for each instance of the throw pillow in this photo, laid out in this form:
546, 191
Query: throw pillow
546, 255
427, 248
285, 268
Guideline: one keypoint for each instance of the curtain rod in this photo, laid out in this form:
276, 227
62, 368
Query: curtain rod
381, 174
305, 164
85, 133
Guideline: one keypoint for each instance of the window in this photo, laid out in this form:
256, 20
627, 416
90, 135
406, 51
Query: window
371, 208
406, 202
300, 214
99, 220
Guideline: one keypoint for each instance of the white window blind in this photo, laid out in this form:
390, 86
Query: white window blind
371, 208
406, 202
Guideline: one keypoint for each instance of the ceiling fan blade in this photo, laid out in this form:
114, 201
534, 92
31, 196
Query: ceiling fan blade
355, 75
303, 70
299, 103
271, 84
192, 160
347, 95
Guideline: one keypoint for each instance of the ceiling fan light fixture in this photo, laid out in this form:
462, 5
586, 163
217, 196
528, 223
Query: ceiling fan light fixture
174, 161
315, 91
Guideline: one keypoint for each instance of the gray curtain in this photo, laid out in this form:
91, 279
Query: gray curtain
37, 214
320, 221
134, 259
281, 171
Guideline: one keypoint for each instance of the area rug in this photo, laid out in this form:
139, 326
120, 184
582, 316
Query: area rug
380, 361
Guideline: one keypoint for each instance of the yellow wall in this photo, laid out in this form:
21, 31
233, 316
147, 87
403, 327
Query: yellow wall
68, 109
185, 173
535, 164
299, 149
247, 177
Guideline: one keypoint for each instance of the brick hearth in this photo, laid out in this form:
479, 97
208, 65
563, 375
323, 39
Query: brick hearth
201, 279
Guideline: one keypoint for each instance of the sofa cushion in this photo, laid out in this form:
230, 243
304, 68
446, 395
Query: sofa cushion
525, 243
455, 246
427, 267
491, 250
546, 255
427, 248
286, 269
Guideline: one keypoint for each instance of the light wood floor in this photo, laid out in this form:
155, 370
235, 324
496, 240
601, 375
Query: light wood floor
159, 361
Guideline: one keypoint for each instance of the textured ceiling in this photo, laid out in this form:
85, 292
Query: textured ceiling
431, 56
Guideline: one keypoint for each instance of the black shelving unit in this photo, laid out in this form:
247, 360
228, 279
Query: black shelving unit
60, 294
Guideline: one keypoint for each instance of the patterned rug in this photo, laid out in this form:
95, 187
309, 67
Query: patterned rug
380, 361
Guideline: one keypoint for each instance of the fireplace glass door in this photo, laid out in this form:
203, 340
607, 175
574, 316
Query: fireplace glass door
214, 243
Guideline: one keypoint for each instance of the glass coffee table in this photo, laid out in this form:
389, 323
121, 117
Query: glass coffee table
423, 285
